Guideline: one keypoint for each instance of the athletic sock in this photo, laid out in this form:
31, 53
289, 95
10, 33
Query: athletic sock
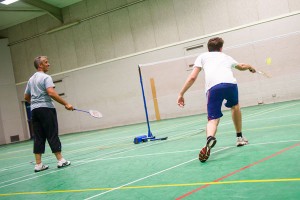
62, 160
239, 134
209, 137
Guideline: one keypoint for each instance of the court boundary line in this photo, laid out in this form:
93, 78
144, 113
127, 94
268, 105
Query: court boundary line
223, 124
154, 174
222, 148
239, 170
115, 153
184, 151
157, 186
104, 155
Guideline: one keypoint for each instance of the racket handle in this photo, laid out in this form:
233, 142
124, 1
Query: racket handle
81, 110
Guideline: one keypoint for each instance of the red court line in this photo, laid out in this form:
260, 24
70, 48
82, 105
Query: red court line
237, 171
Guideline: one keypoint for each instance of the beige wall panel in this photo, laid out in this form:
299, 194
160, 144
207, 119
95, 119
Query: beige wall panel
271, 8
66, 15
33, 49
214, 15
233, 40
189, 19
294, 5
121, 32
10, 112
275, 28
9, 109
66, 49
84, 46
82, 35
50, 49
20, 62
95, 6
46, 23
111, 4
6, 67
164, 23
15, 33
102, 38
78, 11
141, 26
30, 28
241, 12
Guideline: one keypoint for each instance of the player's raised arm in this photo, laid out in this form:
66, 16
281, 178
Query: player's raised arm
243, 67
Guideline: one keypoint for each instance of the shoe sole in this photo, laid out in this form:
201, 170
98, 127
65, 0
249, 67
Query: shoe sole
242, 144
41, 169
205, 151
66, 165
204, 154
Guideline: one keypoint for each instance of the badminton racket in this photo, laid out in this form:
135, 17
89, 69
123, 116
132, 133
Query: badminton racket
93, 113
263, 73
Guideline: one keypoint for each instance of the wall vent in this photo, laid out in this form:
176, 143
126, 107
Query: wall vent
60, 87
194, 47
15, 138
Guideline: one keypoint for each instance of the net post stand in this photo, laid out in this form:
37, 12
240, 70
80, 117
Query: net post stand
144, 138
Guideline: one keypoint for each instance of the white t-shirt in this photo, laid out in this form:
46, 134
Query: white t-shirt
37, 89
217, 67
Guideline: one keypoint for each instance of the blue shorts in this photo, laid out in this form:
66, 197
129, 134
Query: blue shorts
217, 94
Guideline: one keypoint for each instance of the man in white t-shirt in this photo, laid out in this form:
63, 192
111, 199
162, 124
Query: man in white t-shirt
220, 85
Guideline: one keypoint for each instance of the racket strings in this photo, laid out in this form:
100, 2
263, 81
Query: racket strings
95, 113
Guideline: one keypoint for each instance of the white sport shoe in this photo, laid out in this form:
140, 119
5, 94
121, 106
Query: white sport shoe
40, 167
63, 163
241, 141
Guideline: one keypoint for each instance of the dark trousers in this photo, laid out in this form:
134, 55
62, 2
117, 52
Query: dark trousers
45, 127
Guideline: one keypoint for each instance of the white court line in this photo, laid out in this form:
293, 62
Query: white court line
223, 124
67, 153
251, 115
116, 188
260, 113
44, 174
222, 148
135, 181
184, 151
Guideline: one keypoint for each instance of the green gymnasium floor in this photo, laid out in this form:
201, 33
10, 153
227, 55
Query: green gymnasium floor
107, 165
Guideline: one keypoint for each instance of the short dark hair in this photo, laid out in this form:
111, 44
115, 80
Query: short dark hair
38, 60
215, 44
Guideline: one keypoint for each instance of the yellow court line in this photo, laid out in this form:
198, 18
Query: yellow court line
155, 186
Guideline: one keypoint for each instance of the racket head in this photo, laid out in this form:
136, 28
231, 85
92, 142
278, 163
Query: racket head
95, 113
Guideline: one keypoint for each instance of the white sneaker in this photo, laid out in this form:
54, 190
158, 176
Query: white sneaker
40, 167
63, 163
241, 141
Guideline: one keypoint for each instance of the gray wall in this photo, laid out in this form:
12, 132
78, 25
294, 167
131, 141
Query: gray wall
10, 117
97, 59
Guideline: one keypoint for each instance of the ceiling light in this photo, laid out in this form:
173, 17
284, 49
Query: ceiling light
6, 2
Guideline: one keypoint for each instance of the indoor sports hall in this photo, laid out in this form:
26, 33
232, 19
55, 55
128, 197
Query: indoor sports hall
121, 64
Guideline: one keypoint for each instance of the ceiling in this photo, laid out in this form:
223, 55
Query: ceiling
25, 10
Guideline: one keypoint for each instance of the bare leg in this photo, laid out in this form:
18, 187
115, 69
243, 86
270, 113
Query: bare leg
58, 155
38, 158
237, 118
211, 130
211, 127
